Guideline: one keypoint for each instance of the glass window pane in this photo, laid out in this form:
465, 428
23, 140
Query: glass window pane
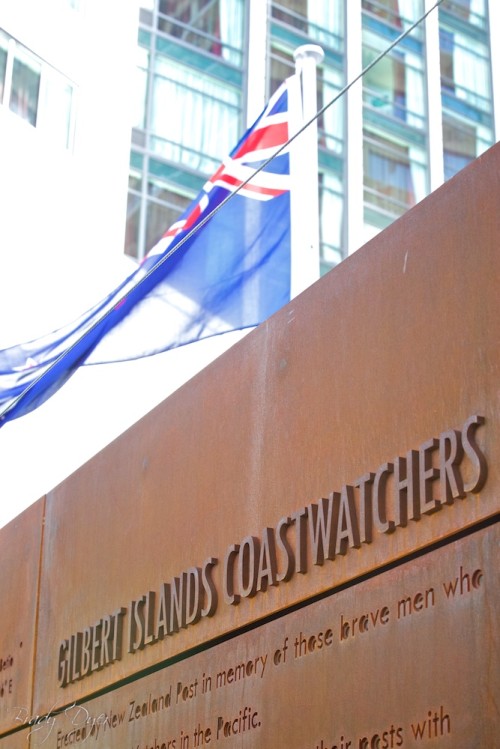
160, 216
164, 205
183, 98
326, 23
331, 206
398, 13
317, 21
140, 88
462, 143
134, 201
472, 11
215, 26
459, 146
465, 69
175, 200
57, 108
292, 13
25, 85
3, 62
331, 122
395, 175
132, 225
282, 66
395, 85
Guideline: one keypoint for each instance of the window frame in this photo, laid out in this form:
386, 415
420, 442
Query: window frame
16, 51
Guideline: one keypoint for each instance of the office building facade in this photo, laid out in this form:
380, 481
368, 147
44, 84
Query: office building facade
64, 152
201, 74
206, 67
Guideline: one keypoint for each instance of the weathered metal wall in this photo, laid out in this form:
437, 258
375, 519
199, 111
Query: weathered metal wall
342, 459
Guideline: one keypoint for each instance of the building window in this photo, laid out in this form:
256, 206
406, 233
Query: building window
471, 11
465, 83
35, 91
3, 62
397, 13
459, 146
319, 22
139, 92
395, 85
164, 206
151, 211
56, 108
395, 175
331, 121
25, 85
187, 108
193, 118
331, 205
462, 143
213, 26
465, 69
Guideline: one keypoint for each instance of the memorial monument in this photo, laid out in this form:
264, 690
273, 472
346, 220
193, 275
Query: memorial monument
298, 548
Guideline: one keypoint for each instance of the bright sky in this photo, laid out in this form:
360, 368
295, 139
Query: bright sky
41, 449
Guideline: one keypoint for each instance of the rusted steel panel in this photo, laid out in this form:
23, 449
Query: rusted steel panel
403, 659
20, 545
18, 740
358, 424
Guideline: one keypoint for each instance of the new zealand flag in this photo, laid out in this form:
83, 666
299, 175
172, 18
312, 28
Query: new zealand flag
231, 274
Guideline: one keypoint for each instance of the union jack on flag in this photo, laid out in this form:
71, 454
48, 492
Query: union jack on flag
268, 135
231, 274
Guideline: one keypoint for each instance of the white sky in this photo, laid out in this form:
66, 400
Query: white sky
53, 230
41, 449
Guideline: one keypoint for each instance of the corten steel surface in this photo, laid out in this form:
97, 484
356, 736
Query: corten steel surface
402, 660
20, 545
19, 740
390, 352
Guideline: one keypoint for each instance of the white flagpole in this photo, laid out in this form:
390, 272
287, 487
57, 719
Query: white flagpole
304, 200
